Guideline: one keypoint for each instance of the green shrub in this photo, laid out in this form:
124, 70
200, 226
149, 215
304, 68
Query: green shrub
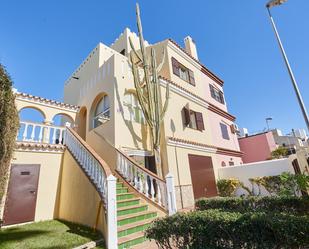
280, 152
227, 187
214, 229
9, 124
296, 205
286, 184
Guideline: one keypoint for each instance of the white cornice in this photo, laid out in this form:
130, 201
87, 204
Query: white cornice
46, 102
39, 147
191, 146
184, 94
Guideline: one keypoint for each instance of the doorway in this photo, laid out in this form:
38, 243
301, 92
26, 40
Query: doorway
202, 176
21, 194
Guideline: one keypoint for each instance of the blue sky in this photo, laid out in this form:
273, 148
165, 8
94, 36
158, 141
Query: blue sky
42, 42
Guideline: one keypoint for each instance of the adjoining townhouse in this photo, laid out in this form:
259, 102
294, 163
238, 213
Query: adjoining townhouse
199, 135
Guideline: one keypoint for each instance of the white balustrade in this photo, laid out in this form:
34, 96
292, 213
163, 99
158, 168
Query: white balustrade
144, 181
40, 133
105, 184
88, 162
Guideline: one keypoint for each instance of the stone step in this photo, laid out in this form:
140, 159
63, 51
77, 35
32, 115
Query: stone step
131, 209
119, 185
134, 227
131, 240
124, 196
128, 202
122, 190
130, 218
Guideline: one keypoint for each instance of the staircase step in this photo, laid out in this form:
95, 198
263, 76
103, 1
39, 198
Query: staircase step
130, 218
134, 227
128, 202
125, 196
132, 209
122, 190
119, 185
131, 240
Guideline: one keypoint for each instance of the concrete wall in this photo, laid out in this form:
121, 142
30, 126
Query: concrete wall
257, 147
48, 179
258, 169
78, 199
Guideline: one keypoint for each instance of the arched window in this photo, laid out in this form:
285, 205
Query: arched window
102, 111
132, 109
223, 164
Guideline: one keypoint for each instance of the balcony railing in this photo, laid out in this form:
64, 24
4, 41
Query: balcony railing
40, 133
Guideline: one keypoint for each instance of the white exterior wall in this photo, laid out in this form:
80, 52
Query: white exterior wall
258, 169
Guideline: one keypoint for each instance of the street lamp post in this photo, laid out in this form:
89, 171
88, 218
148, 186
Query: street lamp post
269, 5
267, 122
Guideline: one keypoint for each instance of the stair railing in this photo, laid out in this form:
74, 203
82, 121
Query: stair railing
100, 175
156, 189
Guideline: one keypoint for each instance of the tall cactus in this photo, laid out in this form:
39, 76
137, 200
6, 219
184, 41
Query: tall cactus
147, 89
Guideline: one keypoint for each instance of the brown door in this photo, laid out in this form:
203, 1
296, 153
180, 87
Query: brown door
203, 177
22, 192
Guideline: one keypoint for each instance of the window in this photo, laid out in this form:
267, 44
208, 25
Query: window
132, 109
123, 52
102, 112
216, 94
182, 72
223, 164
224, 131
193, 119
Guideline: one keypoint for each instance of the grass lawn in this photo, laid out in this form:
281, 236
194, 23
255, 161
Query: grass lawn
53, 234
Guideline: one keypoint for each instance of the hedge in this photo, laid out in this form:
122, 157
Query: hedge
9, 125
296, 205
214, 229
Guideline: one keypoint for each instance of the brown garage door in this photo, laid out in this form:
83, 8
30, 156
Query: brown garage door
203, 177
21, 195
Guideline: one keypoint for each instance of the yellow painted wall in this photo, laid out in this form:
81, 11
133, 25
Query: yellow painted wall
48, 179
78, 199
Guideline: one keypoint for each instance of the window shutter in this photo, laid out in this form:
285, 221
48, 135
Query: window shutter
175, 65
199, 121
186, 115
233, 130
191, 77
212, 91
221, 97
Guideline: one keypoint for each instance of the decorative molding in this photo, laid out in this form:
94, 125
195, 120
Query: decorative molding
181, 143
220, 112
202, 147
39, 147
183, 92
39, 100
197, 99
135, 152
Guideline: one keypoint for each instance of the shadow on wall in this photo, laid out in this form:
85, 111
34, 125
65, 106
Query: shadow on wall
135, 137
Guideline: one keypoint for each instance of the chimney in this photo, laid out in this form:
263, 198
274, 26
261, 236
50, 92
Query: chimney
190, 47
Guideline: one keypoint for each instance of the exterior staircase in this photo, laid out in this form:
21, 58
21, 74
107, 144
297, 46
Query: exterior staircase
133, 217
132, 196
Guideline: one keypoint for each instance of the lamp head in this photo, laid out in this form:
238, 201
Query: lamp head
273, 3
